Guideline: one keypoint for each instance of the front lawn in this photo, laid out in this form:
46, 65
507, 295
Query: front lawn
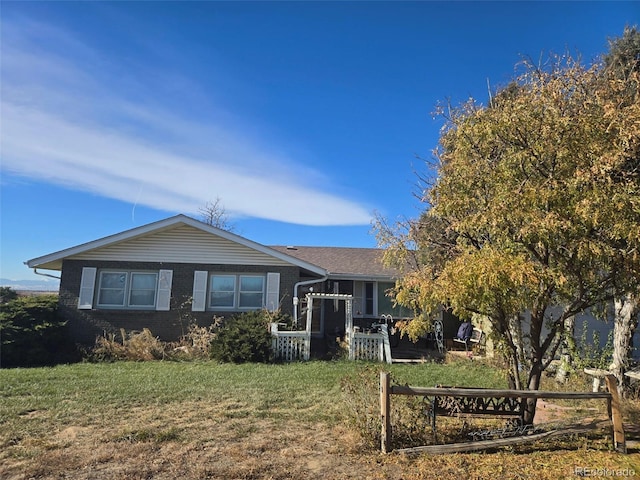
209, 420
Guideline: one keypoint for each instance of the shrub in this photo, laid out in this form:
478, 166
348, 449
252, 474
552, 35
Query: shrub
196, 343
7, 294
32, 333
107, 349
285, 321
409, 415
134, 346
588, 352
243, 338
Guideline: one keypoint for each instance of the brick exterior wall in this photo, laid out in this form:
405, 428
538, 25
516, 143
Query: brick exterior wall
86, 325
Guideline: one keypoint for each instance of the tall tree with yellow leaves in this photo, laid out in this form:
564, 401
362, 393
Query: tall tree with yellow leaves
537, 199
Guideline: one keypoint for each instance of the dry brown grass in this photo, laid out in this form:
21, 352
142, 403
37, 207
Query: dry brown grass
203, 439
235, 435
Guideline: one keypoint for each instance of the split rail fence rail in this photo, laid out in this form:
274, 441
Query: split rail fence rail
386, 390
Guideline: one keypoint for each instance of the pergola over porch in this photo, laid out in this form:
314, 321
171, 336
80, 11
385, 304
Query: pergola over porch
362, 346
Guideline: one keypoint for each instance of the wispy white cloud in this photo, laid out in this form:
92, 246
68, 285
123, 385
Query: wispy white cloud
71, 118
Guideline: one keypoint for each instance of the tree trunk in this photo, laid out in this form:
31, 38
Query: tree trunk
534, 384
510, 331
514, 371
624, 326
517, 352
536, 367
567, 350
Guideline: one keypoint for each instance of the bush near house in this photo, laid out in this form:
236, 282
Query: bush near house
245, 338
7, 294
133, 346
32, 334
144, 346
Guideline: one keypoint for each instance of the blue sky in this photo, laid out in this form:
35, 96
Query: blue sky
304, 118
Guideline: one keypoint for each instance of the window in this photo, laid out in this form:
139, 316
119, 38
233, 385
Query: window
112, 287
386, 303
372, 299
251, 292
368, 298
143, 289
236, 291
127, 289
223, 288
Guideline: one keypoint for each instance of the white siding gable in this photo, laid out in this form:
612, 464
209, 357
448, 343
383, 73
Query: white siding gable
182, 244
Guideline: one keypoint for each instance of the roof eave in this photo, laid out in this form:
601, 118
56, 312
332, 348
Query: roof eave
53, 258
362, 277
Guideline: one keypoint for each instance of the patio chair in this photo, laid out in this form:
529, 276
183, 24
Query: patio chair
476, 338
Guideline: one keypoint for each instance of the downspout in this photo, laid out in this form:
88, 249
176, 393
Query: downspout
296, 300
35, 270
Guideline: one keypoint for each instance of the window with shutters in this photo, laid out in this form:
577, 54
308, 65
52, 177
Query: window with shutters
236, 292
250, 291
222, 291
127, 289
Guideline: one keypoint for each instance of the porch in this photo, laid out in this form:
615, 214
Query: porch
372, 340
370, 344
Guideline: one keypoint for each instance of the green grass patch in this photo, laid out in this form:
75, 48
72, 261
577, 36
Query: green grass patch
34, 399
138, 402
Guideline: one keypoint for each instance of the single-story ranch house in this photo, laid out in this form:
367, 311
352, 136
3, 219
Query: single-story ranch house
161, 275
165, 274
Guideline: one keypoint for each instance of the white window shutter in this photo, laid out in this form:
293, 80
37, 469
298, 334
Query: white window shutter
165, 278
87, 285
273, 291
199, 301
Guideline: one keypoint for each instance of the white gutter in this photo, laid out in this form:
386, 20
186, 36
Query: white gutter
35, 270
296, 300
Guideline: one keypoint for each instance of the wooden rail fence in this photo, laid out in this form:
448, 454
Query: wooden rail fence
386, 390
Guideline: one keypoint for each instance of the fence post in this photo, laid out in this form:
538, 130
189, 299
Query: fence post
384, 412
619, 442
387, 345
274, 340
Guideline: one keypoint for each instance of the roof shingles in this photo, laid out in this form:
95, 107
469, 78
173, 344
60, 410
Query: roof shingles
365, 262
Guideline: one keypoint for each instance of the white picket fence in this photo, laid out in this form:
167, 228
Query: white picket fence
296, 345
290, 346
369, 346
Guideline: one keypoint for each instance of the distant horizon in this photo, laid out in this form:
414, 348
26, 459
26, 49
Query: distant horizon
44, 285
